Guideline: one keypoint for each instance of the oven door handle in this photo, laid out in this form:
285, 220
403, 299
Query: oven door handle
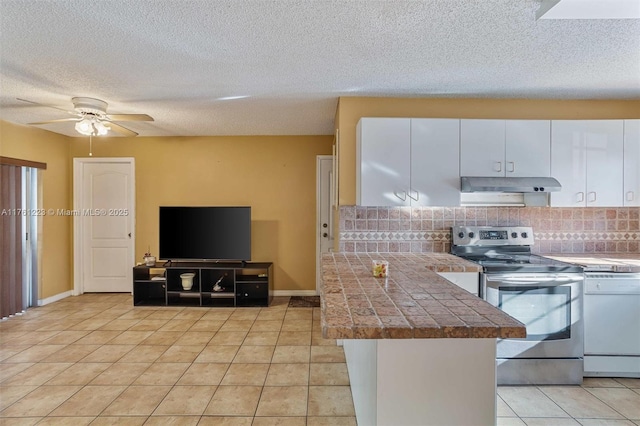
537, 280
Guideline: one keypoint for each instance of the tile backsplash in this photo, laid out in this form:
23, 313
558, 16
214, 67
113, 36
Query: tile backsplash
427, 229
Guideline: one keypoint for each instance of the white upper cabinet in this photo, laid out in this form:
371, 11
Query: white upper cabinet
482, 148
528, 148
435, 157
512, 148
383, 161
587, 159
632, 163
407, 162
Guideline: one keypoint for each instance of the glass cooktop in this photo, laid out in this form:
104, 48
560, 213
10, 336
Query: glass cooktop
525, 262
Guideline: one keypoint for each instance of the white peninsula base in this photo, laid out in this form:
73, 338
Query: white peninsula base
422, 381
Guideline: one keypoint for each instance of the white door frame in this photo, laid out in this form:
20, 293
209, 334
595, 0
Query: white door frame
78, 178
318, 227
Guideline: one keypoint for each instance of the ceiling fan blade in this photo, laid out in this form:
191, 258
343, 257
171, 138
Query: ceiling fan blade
122, 130
129, 117
48, 106
54, 121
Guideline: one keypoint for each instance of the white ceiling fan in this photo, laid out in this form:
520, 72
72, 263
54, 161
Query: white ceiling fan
91, 118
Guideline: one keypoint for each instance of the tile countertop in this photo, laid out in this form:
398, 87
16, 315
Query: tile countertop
412, 302
601, 262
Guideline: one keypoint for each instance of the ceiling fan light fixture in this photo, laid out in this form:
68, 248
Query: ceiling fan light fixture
100, 128
91, 126
91, 118
84, 127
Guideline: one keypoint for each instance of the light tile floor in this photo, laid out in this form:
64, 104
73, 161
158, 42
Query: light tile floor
599, 401
95, 359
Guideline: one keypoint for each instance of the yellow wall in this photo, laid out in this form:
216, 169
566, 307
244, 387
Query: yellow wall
351, 109
275, 175
28, 143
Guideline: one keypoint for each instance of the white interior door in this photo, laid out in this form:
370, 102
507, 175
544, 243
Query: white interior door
104, 196
324, 225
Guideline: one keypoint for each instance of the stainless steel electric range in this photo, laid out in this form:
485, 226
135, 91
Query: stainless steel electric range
542, 293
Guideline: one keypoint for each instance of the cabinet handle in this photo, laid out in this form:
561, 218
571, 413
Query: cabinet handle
592, 200
497, 166
580, 197
404, 196
413, 198
513, 166
630, 196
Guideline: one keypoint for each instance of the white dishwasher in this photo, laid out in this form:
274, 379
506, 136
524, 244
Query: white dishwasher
612, 324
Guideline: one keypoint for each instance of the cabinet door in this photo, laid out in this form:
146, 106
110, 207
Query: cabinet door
586, 157
604, 142
632, 163
568, 163
465, 280
528, 148
252, 294
383, 161
482, 147
435, 156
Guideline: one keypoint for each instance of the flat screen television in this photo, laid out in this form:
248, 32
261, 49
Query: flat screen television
205, 233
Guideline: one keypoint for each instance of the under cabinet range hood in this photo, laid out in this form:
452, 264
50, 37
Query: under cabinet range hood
509, 184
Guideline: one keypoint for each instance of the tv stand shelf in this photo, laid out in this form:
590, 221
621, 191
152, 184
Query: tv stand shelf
241, 284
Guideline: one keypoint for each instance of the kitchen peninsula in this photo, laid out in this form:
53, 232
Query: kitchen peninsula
419, 349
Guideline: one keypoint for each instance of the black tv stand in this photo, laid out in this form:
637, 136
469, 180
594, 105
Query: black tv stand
239, 284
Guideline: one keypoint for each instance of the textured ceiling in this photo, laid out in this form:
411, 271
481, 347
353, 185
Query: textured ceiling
177, 59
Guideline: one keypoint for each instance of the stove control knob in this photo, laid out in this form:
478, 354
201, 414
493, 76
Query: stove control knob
460, 234
524, 235
514, 235
472, 234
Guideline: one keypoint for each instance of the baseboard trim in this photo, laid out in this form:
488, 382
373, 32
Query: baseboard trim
295, 293
60, 296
